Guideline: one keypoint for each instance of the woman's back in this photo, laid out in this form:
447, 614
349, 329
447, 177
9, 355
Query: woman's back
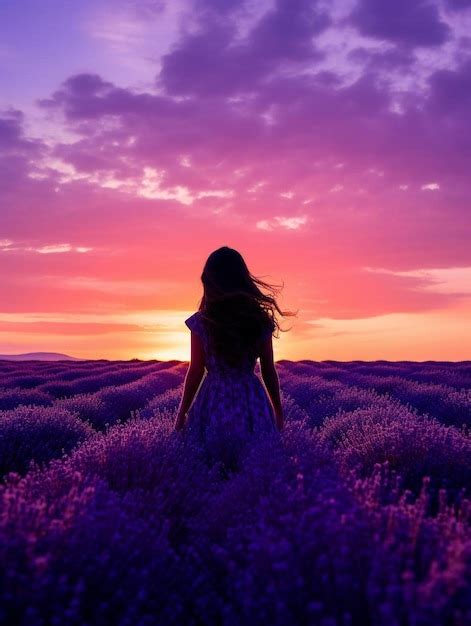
231, 405
216, 364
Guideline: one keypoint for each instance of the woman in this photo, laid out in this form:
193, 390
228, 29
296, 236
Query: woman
233, 326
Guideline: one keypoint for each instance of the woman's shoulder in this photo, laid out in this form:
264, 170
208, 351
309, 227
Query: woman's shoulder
194, 321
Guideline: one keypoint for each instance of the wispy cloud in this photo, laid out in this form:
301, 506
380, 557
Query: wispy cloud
151, 186
59, 248
288, 223
116, 286
449, 280
136, 33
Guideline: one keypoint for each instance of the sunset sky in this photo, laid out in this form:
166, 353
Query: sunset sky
329, 142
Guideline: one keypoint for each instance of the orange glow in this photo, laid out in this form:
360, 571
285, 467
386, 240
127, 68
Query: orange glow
162, 335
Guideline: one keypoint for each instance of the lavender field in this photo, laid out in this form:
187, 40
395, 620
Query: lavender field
357, 514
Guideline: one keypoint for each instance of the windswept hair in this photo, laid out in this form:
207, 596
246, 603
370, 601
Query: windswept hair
235, 311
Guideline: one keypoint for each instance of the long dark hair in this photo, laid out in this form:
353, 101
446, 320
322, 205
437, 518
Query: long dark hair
235, 312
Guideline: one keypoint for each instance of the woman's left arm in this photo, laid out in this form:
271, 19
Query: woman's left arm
193, 379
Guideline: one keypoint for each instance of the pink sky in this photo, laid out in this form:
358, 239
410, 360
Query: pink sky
329, 142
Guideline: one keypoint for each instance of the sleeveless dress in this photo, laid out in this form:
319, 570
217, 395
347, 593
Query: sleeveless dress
231, 406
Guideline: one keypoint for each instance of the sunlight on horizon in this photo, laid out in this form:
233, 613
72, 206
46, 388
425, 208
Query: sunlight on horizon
162, 335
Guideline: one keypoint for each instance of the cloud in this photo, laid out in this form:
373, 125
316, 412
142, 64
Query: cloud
458, 5
60, 248
12, 138
264, 225
7, 245
450, 93
211, 61
408, 22
291, 223
66, 328
115, 286
454, 281
405, 336
150, 187
288, 223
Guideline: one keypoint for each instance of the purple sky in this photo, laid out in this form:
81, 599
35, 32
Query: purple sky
330, 142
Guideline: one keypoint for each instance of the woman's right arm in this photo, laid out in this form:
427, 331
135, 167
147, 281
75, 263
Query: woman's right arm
271, 380
193, 379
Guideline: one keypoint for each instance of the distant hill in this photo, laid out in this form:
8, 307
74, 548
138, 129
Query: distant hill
38, 356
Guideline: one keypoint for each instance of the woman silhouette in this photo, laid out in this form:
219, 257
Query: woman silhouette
232, 327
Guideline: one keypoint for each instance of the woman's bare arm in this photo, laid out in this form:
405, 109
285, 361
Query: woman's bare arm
271, 380
193, 379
